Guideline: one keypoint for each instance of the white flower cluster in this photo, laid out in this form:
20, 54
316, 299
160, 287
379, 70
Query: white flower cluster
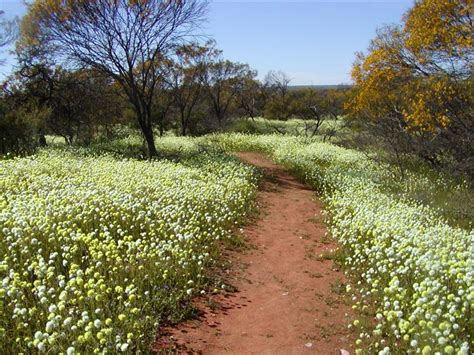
416, 271
95, 250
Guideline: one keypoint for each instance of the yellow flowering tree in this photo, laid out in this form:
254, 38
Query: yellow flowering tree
415, 81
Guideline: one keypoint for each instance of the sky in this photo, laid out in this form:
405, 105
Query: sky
313, 42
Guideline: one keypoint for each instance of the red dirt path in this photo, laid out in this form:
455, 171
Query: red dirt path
287, 300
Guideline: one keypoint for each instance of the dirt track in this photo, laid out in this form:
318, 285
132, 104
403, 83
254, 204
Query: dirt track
288, 299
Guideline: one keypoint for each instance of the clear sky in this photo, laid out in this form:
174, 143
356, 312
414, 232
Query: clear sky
313, 42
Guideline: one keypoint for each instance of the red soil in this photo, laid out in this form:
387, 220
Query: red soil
288, 299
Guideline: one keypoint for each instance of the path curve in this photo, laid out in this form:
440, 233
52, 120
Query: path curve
289, 299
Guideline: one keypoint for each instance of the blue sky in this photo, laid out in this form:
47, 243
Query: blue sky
312, 41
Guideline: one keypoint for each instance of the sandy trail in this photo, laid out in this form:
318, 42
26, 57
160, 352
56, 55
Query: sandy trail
288, 299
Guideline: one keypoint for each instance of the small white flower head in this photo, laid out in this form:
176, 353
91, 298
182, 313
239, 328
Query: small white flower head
67, 321
124, 347
41, 346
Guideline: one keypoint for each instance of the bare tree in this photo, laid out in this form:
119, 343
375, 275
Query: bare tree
277, 81
252, 97
124, 39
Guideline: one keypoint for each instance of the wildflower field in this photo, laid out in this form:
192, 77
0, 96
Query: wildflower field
97, 249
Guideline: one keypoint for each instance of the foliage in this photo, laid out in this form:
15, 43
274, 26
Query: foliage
204, 88
18, 127
79, 102
96, 250
223, 81
312, 105
38, 100
185, 77
441, 31
414, 86
278, 108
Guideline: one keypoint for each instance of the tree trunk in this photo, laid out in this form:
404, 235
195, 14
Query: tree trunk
148, 134
183, 124
144, 119
162, 125
42, 140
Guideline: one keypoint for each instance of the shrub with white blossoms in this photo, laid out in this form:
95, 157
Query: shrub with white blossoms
416, 272
95, 250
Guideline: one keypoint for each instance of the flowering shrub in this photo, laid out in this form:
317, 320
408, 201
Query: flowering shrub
95, 250
416, 272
